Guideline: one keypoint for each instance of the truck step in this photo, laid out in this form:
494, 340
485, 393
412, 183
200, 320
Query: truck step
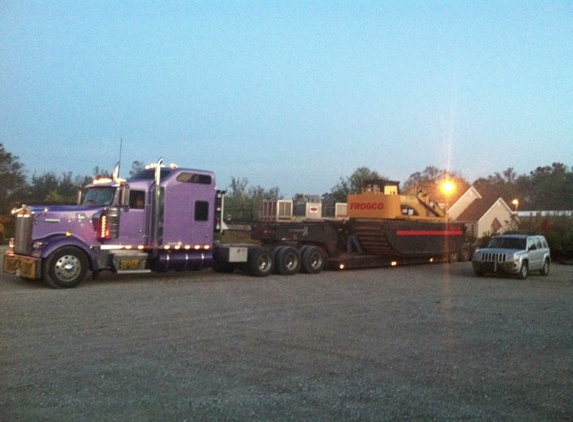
130, 262
145, 271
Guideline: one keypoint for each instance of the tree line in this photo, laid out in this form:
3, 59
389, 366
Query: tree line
544, 188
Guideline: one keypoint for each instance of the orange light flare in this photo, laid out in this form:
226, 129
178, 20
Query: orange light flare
448, 187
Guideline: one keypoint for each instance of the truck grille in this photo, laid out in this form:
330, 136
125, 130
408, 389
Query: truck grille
23, 235
493, 257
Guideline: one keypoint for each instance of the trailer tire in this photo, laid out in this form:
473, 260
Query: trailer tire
465, 253
313, 260
65, 268
453, 257
288, 260
260, 262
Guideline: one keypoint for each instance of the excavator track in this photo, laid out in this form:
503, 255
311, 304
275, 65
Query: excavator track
372, 237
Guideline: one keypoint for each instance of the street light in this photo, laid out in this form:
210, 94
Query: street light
516, 203
448, 187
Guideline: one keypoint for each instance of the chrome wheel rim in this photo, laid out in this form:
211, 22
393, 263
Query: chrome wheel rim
67, 268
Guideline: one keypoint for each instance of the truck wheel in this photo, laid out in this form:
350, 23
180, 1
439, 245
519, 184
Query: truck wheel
66, 267
523, 271
260, 262
287, 260
465, 253
312, 260
452, 257
545, 269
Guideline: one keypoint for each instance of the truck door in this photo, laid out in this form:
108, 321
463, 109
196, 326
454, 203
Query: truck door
132, 222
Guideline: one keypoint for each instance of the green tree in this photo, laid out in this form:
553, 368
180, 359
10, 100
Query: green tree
352, 184
551, 188
49, 188
507, 185
242, 202
136, 167
12, 181
545, 188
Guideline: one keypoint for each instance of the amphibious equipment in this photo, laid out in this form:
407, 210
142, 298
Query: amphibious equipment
377, 227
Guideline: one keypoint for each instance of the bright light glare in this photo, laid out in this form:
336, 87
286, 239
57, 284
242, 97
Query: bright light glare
448, 187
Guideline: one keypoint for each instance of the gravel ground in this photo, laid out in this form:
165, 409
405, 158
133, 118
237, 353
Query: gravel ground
416, 343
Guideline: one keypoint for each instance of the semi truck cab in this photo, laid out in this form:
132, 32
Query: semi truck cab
163, 218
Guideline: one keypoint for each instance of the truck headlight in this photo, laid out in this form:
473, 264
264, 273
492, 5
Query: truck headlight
37, 246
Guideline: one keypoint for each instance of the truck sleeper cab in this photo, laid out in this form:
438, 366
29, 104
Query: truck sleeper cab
162, 219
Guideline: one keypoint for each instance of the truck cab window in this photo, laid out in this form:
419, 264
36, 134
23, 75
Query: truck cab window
201, 211
100, 196
137, 199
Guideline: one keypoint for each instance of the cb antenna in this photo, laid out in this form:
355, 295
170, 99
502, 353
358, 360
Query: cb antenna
120, 149
115, 173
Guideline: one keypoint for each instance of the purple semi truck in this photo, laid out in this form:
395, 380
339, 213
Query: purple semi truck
162, 219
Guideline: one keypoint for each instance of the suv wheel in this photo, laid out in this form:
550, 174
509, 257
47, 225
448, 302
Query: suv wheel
523, 271
545, 269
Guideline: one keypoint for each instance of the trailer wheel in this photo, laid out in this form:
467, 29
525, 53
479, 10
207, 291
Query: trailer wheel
260, 262
465, 253
66, 267
288, 260
452, 257
313, 260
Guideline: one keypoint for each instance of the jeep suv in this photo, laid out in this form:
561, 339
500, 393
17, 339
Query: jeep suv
513, 254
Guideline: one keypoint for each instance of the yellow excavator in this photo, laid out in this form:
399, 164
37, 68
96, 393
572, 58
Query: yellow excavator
381, 199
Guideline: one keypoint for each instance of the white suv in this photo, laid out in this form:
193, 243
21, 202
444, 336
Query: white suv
513, 254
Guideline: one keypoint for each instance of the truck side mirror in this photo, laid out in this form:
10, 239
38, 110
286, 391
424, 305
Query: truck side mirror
124, 196
80, 196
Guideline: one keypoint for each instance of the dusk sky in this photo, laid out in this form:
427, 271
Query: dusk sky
294, 94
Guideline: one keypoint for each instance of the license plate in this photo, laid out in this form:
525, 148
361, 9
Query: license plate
22, 266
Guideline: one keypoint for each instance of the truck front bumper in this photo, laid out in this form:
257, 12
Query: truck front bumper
22, 265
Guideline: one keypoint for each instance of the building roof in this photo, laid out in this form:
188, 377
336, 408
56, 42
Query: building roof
479, 207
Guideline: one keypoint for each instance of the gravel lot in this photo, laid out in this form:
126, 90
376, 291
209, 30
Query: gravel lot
412, 343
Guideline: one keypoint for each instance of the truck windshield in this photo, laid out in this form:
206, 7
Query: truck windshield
99, 196
507, 243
